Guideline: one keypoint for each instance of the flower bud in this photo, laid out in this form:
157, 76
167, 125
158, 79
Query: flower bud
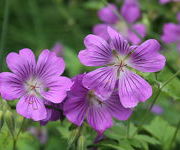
10, 121
81, 143
73, 136
1, 119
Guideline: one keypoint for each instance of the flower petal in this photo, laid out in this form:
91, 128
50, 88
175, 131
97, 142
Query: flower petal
99, 118
11, 86
49, 65
133, 89
31, 107
146, 57
130, 11
75, 109
22, 64
116, 109
56, 89
98, 52
140, 29
101, 30
53, 114
107, 15
118, 42
77, 88
171, 33
102, 81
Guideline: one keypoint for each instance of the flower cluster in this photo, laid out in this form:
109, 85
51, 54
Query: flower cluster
110, 91
34, 83
109, 17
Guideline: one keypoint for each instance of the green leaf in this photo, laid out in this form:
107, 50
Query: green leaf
161, 130
171, 88
117, 132
72, 62
147, 139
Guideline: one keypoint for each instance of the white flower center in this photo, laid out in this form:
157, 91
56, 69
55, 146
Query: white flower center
33, 86
93, 99
119, 61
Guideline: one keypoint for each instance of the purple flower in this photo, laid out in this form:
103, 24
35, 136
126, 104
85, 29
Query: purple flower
164, 1
117, 58
171, 34
58, 49
54, 112
83, 103
178, 17
167, 1
131, 12
34, 83
40, 133
157, 109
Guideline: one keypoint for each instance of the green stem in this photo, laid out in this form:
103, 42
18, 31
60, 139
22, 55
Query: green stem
128, 128
15, 139
14, 144
22, 124
174, 136
4, 32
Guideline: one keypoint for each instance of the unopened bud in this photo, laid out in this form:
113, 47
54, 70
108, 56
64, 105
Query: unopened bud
1, 119
10, 121
73, 136
81, 143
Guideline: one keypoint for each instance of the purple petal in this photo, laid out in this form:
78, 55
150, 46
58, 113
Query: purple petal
11, 86
140, 29
49, 65
57, 88
101, 30
130, 11
22, 64
118, 42
77, 88
146, 57
75, 109
116, 109
178, 16
133, 89
157, 109
99, 118
102, 81
52, 114
171, 33
178, 46
58, 49
107, 15
98, 52
31, 107
164, 1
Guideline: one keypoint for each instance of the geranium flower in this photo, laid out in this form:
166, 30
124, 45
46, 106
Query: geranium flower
167, 1
130, 12
58, 49
171, 34
34, 83
118, 58
83, 103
